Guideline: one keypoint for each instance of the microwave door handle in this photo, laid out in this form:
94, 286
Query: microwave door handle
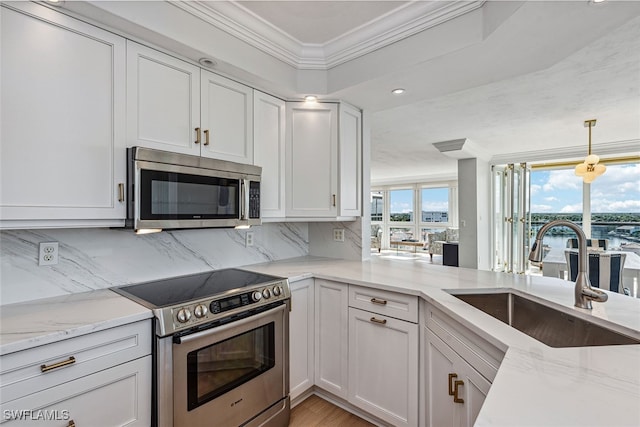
244, 193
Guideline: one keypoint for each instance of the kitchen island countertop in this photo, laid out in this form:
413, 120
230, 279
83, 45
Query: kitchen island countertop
536, 385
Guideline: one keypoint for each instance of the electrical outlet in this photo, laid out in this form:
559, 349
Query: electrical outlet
48, 253
338, 234
248, 239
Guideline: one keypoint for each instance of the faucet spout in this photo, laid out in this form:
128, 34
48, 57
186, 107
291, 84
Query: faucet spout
583, 291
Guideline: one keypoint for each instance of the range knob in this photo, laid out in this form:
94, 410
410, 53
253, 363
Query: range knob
200, 311
184, 315
266, 293
277, 290
256, 296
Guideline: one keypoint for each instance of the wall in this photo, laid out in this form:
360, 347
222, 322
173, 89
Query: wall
101, 258
474, 204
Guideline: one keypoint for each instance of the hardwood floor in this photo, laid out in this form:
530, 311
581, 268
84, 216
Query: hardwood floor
315, 411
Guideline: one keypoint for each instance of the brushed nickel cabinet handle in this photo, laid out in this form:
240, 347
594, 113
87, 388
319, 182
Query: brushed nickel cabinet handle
334, 200
197, 136
379, 321
121, 192
379, 301
457, 384
451, 377
69, 361
206, 137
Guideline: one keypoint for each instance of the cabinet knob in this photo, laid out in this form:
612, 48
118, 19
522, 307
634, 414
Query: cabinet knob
206, 137
197, 141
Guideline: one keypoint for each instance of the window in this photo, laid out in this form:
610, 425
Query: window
395, 215
401, 205
613, 213
377, 206
435, 205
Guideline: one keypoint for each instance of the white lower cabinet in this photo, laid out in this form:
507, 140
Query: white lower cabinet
98, 379
455, 391
331, 337
301, 337
113, 397
383, 367
459, 367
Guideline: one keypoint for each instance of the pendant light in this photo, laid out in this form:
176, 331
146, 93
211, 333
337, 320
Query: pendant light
590, 169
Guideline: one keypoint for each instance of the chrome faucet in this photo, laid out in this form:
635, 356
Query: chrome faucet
583, 291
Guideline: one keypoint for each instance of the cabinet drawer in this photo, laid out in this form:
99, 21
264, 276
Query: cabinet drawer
392, 304
113, 397
21, 373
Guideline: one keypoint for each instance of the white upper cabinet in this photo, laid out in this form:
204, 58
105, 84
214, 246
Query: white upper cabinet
226, 119
62, 157
324, 158
269, 152
312, 159
175, 106
350, 158
163, 101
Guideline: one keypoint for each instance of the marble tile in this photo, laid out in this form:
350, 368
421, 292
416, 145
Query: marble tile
322, 243
101, 258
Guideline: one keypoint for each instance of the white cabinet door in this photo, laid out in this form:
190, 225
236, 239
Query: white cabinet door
62, 155
113, 397
350, 155
445, 372
312, 142
331, 373
301, 337
226, 119
440, 361
269, 152
383, 367
163, 101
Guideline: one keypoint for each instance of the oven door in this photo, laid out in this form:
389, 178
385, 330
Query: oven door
229, 374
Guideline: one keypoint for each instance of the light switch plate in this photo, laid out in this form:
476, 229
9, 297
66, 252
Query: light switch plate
338, 234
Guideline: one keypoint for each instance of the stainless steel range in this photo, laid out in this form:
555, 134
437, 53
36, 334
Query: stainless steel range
221, 352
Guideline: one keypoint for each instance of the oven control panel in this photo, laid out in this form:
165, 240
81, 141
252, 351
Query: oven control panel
203, 311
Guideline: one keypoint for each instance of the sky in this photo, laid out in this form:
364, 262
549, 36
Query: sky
433, 199
560, 191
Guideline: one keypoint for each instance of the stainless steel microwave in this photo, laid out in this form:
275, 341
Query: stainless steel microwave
170, 190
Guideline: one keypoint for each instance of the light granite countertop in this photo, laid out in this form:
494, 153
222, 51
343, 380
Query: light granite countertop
43, 321
536, 385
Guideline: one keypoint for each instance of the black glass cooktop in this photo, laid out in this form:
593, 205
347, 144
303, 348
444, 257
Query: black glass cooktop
182, 289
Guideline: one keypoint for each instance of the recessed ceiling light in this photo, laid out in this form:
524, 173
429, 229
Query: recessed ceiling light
207, 62
398, 91
55, 2
597, 1
310, 98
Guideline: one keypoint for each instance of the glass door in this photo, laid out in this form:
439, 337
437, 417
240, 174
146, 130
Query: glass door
512, 217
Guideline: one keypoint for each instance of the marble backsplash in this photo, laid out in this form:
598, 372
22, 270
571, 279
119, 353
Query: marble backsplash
101, 258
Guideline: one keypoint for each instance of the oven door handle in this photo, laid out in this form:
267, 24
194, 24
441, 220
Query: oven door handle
216, 330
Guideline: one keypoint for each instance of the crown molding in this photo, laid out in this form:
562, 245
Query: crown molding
405, 21
627, 147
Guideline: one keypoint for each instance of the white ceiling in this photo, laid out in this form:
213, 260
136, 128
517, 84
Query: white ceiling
516, 78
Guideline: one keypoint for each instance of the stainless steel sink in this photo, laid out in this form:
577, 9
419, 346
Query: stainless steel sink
546, 324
